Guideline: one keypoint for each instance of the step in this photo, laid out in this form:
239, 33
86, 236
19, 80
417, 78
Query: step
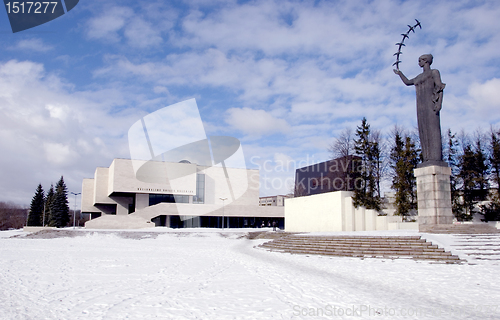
461, 229
432, 248
410, 247
376, 238
375, 255
361, 244
426, 253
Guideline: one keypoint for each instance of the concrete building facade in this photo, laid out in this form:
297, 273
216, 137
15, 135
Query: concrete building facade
278, 200
174, 195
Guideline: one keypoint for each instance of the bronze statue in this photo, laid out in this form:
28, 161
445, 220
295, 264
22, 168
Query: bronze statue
429, 102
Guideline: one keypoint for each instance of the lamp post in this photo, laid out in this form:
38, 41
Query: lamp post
74, 211
223, 199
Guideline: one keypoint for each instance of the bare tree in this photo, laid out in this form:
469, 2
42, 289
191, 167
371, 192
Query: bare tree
464, 140
343, 145
12, 216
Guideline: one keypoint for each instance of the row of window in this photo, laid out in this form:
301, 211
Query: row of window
170, 198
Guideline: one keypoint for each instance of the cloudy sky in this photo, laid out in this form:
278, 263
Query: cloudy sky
283, 77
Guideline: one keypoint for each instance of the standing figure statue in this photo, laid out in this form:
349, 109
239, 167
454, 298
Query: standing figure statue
429, 102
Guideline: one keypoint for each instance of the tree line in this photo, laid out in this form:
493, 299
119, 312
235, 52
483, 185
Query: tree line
50, 209
12, 216
474, 161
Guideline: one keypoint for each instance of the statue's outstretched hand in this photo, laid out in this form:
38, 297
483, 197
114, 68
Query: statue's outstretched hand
396, 71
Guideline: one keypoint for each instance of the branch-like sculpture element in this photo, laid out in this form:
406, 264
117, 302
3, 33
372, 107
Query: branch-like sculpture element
402, 43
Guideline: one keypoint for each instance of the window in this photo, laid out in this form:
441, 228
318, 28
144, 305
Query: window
168, 198
200, 189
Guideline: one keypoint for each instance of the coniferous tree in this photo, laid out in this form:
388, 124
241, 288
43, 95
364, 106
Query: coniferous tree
49, 198
378, 159
495, 158
404, 158
398, 168
491, 211
36, 208
468, 178
365, 191
481, 165
412, 160
451, 158
59, 206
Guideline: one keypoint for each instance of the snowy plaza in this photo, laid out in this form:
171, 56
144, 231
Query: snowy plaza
208, 274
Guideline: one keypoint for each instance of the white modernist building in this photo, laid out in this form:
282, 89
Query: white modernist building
141, 194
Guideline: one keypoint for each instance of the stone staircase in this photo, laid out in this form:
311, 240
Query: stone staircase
485, 247
386, 247
475, 228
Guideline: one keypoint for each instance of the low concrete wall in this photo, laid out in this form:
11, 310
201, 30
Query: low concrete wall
36, 229
495, 224
403, 226
315, 213
119, 222
334, 211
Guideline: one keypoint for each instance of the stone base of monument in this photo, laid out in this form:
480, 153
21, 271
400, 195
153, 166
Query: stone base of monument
434, 196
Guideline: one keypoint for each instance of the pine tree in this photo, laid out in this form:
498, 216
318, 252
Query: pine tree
495, 158
412, 158
468, 177
491, 211
365, 191
404, 158
59, 206
398, 168
481, 168
378, 158
49, 199
452, 160
36, 208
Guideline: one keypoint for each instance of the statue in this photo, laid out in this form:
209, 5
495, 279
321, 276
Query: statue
429, 102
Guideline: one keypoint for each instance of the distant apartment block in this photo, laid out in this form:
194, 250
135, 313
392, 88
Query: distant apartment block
278, 201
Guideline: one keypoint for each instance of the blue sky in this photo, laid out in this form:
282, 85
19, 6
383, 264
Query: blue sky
284, 77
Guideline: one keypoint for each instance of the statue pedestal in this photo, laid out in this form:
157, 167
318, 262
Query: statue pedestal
434, 196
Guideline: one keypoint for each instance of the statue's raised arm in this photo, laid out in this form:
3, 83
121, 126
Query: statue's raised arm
403, 77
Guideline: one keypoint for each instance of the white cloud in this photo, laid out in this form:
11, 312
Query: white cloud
32, 45
48, 131
58, 153
140, 27
487, 95
301, 69
255, 122
107, 25
141, 34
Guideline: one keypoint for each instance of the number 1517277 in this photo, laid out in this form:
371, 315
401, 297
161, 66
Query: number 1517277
30, 7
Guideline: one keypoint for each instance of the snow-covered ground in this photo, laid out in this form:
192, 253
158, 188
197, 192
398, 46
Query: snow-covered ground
206, 274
